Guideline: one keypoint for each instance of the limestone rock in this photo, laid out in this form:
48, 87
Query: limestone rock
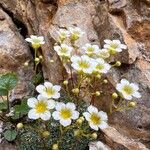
127, 20
13, 54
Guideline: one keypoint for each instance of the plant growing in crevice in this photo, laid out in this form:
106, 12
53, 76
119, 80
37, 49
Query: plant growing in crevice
57, 117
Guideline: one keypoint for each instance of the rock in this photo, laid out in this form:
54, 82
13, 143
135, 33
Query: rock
13, 54
112, 19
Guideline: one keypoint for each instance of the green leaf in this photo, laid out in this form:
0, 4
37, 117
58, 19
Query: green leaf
7, 83
3, 106
10, 135
37, 79
20, 110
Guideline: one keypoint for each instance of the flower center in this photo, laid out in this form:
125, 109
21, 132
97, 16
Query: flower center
83, 64
65, 113
50, 91
128, 89
64, 50
90, 50
99, 67
36, 41
95, 119
114, 46
41, 107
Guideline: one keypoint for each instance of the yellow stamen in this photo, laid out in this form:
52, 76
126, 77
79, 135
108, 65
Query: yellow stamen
65, 113
95, 119
41, 107
84, 64
128, 89
50, 91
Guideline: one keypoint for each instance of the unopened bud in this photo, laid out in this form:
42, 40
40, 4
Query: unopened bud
26, 64
20, 125
46, 134
77, 132
118, 63
82, 118
79, 121
40, 57
36, 59
98, 76
75, 91
97, 93
114, 95
65, 82
51, 61
132, 104
105, 81
94, 135
55, 147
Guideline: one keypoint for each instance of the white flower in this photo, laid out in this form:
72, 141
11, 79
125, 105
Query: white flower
65, 113
114, 46
91, 49
102, 66
98, 146
76, 33
128, 90
83, 63
63, 34
49, 90
103, 53
97, 119
63, 50
35, 41
40, 107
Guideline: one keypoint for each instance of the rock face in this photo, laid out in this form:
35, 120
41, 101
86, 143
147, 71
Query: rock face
127, 20
13, 54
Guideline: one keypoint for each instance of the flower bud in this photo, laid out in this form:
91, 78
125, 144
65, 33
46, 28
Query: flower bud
105, 81
79, 121
98, 76
55, 147
51, 61
75, 91
40, 57
77, 132
114, 95
132, 104
118, 63
20, 125
65, 82
46, 134
94, 135
26, 64
82, 118
36, 60
97, 93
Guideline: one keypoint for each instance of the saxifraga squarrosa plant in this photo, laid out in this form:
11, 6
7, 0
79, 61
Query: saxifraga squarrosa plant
57, 116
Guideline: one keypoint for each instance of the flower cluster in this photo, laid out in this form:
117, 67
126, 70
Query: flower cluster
44, 105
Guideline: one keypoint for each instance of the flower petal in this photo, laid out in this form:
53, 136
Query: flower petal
32, 102
92, 109
103, 115
40, 88
93, 126
56, 115
71, 106
51, 104
59, 106
87, 116
75, 115
103, 125
48, 84
137, 94
65, 122
32, 114
45, 116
